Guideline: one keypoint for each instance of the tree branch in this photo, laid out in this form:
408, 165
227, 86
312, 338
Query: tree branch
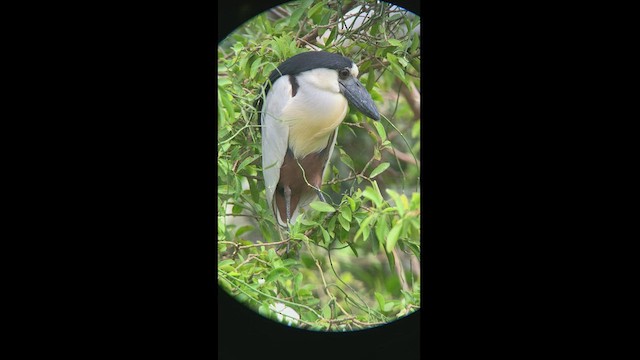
403, 156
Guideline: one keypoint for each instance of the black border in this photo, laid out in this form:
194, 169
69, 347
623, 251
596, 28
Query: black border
127, 123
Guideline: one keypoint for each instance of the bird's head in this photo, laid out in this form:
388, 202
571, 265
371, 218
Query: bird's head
331, 72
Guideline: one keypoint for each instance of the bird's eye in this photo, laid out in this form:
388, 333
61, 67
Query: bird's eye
344, 73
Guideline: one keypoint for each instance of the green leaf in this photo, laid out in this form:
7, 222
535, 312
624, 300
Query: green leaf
332, 36
371, 80
363, 226
254, 68
398, 201
325, 236
322, 206
226, 268
242, 64
271, 254
395, 67
264, 310
253, 189
346, 159
247, 161
415, 130
365, 232
331, 226
315, 9
352, 203
394, 195
228, 106
224, 189
353, 248
236, 209
404, 202
295, 16
307, 222
345, 212
225, 262
415, 62
415, 42
345, 224
373, 195
277, 273
380, 300
277, 263
392, 238
326, 312
376, 154
414, 248
243, 230
324, 21
392, 261
402, 312
392, 58
382, 229
395, 42
223, 81
381, 130
379, 169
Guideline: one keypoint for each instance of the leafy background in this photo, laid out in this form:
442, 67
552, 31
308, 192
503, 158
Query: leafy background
354, 262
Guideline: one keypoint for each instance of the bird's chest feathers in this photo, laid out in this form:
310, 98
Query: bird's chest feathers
312, 116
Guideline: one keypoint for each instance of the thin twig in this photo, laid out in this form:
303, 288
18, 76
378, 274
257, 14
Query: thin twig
403, 156
263, 244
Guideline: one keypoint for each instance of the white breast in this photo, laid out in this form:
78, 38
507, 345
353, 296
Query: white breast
316, 110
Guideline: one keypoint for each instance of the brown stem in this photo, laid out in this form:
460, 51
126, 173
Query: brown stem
403, 156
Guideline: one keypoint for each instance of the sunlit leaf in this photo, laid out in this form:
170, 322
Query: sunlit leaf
373, 194
381, 131
376, 154
346, 213
344, 223
225, 262
277, 273
379, 169
395, 42
392, 238
325, 236
322, 206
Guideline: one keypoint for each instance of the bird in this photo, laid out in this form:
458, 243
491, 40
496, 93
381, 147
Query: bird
305, 99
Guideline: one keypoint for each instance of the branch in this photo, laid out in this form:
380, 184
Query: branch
400, 270
403, 156
311, 38
263, 244
413, 98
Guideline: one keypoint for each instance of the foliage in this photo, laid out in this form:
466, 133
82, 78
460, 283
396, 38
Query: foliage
349, 259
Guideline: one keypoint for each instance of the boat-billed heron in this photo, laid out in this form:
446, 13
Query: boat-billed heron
306, 98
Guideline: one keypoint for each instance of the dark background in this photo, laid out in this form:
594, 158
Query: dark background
121, 141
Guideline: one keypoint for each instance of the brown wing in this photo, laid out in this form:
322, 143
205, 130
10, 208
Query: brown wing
291, 175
